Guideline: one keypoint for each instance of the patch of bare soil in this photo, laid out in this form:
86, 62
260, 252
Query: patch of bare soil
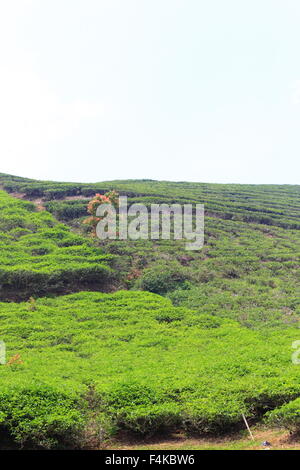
39, 203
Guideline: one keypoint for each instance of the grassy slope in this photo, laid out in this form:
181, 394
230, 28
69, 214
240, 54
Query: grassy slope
272, 204
38, 255
197, 367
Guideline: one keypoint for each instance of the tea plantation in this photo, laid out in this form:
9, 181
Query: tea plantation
130, 360
190, 340
38, 255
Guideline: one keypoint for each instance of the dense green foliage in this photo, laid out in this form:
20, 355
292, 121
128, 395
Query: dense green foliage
262, 204
286, 416
216, 344
249, 267
66, 210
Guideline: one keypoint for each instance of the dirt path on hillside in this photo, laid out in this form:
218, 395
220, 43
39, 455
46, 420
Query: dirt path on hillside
38, 202
279, 440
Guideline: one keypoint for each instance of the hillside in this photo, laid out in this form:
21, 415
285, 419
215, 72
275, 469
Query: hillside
263, 204
191, 339
40, 255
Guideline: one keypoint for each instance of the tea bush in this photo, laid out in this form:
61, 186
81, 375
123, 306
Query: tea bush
163, 277
35, 254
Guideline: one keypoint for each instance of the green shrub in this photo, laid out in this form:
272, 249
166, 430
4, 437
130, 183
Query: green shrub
219, 417
149, 419
287, 416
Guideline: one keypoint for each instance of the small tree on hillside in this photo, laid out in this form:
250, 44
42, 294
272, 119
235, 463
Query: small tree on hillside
110, 197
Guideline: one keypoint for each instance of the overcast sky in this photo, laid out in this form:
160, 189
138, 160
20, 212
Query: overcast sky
194, 90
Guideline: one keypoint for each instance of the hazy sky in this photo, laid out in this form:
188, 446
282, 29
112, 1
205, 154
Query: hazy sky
195, 90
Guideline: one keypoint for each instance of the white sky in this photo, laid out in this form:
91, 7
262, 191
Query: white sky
194, 90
